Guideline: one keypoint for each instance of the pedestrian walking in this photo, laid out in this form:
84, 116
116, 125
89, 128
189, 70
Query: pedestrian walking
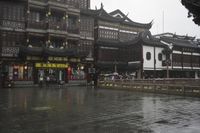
47, 80
41, 79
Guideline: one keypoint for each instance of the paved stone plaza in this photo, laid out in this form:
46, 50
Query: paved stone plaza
89, 110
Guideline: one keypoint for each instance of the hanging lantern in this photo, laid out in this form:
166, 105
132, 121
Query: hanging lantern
25, 67
28, 11
49, 13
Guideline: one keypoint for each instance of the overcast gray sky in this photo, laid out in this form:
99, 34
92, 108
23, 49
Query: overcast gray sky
175, 14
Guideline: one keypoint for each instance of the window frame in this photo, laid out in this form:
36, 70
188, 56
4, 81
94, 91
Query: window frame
148, 56
160, 57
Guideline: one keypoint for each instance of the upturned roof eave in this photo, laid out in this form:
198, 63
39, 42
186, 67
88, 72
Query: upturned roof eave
185, 44
103, 15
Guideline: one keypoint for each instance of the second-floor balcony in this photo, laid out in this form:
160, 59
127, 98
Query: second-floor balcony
60, 26
72, 3
42, 25
73, 30
186, 64
38, 1
195, 65
89, 34
177, 64
57, 3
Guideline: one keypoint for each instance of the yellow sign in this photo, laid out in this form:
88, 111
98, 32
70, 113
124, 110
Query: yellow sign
75, 60
33, 58
51, 65
57, 58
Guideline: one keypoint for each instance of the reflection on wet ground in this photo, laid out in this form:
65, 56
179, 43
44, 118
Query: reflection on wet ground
88, 110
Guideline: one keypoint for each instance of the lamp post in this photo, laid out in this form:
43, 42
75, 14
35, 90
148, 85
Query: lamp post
115, 66
168, 60
1, 75
168, 63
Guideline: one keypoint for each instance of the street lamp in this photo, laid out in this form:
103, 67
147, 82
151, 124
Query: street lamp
168, 60
115, 67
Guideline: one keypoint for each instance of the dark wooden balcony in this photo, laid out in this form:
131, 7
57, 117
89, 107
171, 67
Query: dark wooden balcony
38, 1
58, 1
187, 65
177, 64
59, 52
61, 26
195, 65
73, 30
37, 25
74, 4
87, 34
33, 51
65, 2
71, 3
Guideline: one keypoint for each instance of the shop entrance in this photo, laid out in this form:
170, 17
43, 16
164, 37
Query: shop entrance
56, 73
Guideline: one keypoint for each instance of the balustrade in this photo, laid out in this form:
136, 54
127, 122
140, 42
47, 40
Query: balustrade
57, 26
37, 25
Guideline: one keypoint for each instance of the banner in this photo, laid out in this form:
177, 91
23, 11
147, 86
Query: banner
51, 65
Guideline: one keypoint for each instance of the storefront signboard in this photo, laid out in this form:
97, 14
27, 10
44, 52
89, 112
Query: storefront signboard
57, 58
51, 65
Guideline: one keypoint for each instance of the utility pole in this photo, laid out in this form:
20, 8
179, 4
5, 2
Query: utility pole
163, 19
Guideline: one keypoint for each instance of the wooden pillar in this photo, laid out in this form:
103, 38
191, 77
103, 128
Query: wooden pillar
154, 70
27, 22
48, 14
66, 19
182, 60
27, 15
27, 39
142, 61
167, 69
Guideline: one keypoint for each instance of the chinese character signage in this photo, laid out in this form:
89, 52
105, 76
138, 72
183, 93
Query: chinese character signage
10, 52
51, 65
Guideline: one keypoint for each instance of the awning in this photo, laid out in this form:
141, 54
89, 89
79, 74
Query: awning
32, 51
59, 52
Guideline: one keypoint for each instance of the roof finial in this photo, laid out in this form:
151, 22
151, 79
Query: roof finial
102, 5
127, 14
152, 22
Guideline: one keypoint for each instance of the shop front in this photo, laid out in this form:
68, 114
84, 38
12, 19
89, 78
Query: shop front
18, 71
59, 72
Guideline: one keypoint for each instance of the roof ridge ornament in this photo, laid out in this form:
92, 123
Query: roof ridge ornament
126, 17
127, 14
102, 6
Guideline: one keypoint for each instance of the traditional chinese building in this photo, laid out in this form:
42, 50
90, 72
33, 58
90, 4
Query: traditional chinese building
42, 37
113, 36
184, 55
65, 39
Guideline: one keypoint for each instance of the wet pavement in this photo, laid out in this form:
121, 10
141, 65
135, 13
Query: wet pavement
88, 110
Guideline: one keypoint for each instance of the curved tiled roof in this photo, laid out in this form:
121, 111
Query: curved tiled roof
144, 38
180, 42
103, 15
